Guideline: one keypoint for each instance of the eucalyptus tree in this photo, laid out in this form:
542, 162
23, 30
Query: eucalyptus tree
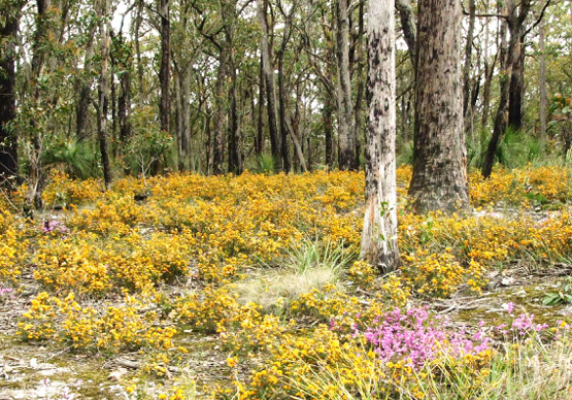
346, 133
267, 71
439, 180
379, 236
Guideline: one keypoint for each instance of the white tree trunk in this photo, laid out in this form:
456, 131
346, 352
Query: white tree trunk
379, 237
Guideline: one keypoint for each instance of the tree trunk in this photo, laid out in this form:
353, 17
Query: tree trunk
360, 78
103, 91
439, 179
113, 97
542, 83
124, 106
218, 139
268, 71
489, 71
44, 22
234, 159
468, 54
229, 18
346, 134
282, 100
8, 139
500, 119
516, 91
82, 111
409, 27
185, 129
164, 73
140, 72
259, 148
516, 18
328, 131
379, 236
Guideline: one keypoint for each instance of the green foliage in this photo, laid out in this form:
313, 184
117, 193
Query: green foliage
405, 154
305, 256
515, 149
562, 296
149, 147
476, 150
78, 158
265, 164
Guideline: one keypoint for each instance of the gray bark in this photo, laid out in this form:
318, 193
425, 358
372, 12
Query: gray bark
268, 72
439, 179
409, 27
346, 134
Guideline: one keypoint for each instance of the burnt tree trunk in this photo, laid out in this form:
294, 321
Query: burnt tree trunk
516, 18
8, 139
439, 180
124, 105
103, 92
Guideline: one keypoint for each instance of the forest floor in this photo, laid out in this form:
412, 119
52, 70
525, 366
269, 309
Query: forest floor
248, 288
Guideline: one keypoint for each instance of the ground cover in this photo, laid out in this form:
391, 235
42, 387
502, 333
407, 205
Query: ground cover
249, 287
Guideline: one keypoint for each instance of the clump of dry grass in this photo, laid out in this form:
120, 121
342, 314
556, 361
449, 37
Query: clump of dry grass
306, 266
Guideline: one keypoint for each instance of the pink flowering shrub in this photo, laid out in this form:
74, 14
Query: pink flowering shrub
415, 337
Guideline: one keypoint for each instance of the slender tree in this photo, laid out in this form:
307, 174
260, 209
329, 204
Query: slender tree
346, 134
542, 82
165, 71
85, 82
500, 122
268, 72
379, 237
103, 90
439, 180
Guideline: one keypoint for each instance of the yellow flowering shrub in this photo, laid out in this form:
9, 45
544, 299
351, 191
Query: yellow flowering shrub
440, 274
109, 329
361, 273
12, 249
204, 242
